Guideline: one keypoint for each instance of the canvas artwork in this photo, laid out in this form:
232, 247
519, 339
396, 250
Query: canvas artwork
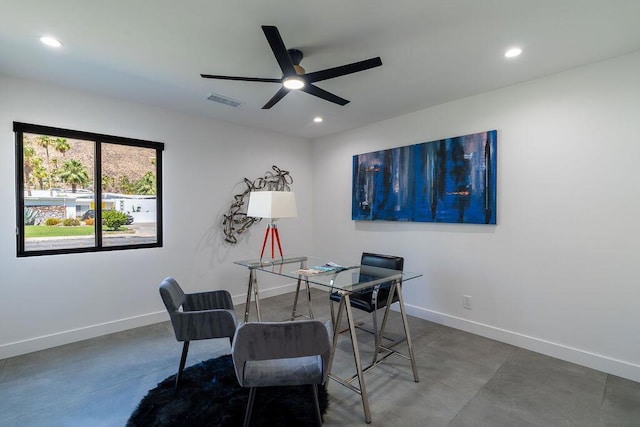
450, 180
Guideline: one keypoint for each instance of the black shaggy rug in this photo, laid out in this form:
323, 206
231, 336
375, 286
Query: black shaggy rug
210, 395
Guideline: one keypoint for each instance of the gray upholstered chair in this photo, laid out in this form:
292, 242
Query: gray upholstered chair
267, 354
197, 316
370, 300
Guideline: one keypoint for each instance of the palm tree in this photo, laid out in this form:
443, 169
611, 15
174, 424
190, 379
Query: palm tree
39, 172
125, 185
45, 142
60, 145
108, 183
146, 184
74, 173
29, 157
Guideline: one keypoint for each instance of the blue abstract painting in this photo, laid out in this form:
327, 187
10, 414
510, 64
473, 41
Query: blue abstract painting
450, 180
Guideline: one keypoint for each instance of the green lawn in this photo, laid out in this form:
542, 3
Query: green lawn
57, 231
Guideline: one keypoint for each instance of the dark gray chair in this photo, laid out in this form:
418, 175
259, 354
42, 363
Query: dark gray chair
197, 316
370, 300
267, 354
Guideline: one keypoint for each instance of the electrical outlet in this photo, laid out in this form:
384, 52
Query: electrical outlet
466, 302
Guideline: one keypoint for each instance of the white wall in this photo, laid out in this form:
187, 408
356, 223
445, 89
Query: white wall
560, 273
51, 300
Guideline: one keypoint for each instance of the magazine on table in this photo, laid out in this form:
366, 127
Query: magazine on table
329, 267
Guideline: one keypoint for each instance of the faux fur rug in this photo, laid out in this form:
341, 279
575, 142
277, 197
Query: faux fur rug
210, 395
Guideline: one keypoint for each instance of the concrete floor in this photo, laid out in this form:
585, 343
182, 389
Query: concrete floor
465, 380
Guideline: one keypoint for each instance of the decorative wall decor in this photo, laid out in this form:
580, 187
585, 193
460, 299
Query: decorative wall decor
450, 180
236, 221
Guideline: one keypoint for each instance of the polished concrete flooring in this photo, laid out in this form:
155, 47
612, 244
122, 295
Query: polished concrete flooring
465, 380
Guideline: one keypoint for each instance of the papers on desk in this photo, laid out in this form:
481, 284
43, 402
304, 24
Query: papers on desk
308, 271
329, 267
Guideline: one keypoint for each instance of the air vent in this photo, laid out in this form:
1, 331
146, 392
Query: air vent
224, 100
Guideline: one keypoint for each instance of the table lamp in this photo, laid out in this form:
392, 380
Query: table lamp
272, 205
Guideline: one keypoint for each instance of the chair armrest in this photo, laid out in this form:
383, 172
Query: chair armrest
204, 324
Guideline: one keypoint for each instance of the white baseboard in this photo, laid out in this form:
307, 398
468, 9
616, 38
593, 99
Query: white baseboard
265, 293
66, 337
592, 360
595, 361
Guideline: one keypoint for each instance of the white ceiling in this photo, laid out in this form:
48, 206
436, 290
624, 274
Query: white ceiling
433, 51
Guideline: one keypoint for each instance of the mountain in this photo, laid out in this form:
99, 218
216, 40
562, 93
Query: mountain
117, 160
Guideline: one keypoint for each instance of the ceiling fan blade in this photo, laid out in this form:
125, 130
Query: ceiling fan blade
279, 50
277, 97
321, 93
244, 79
330, 73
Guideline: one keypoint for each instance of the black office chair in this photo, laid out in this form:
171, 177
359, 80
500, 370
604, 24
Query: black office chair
197, 316
370, 300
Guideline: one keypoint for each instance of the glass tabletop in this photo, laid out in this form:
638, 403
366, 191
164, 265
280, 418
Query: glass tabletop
347, 277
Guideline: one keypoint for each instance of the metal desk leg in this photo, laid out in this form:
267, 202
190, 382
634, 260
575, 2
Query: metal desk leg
336, 332
256, 297
405, 324
345, 303
295, 300
294, 311
252, 288
306, 282
247, 305
356, 355
380, 334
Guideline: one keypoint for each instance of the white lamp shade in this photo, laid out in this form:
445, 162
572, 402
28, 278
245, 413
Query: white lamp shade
272, 204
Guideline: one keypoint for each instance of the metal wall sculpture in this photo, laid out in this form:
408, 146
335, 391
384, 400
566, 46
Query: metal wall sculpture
450, 180
236, 221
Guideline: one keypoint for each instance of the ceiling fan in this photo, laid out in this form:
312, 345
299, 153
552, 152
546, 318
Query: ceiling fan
294, 76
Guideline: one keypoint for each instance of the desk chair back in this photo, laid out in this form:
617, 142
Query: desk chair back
267, 354
370, 300
197, 316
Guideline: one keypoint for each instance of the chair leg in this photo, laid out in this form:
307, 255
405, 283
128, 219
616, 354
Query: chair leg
375, 323
247, 415
316, 403
333, 316
183, 360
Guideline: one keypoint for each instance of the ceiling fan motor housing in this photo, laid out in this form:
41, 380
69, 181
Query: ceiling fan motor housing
296, 57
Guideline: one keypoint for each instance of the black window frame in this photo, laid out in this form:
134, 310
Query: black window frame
20, 129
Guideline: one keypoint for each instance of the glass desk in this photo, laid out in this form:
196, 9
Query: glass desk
343, 279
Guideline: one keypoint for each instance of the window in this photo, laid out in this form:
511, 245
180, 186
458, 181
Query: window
85, 192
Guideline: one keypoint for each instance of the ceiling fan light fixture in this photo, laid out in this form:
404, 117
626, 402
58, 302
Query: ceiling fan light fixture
51, 42
513, 52
293, 83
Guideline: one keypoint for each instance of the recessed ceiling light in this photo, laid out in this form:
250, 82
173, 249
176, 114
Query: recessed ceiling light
317, 119
293, 83
51, 41
513, 52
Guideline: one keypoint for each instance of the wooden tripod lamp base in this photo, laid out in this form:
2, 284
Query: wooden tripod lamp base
272, 230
